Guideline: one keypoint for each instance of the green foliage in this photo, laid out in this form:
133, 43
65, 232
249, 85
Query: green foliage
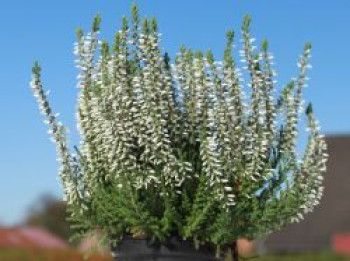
303, 257
96, 23
50, 214
173, 150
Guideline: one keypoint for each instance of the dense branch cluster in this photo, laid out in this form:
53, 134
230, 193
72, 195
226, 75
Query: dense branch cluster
178, 149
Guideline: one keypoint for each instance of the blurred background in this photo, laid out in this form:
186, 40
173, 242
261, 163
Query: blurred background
32, 215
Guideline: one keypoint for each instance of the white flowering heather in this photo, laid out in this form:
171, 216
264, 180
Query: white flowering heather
178, 149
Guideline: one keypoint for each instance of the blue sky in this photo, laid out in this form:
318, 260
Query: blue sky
44, 30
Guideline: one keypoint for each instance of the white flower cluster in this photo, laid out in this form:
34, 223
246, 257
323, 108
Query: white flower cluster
68, 171
146, 123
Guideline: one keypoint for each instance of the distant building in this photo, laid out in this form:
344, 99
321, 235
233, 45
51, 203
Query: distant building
326, 226
29, 238
341, 243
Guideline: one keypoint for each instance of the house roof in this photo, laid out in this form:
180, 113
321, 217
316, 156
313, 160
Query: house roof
332, 216
29, 238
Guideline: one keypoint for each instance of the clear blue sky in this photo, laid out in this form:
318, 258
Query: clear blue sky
44, 30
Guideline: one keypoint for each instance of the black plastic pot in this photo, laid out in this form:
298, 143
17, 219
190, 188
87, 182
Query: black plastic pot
140, 250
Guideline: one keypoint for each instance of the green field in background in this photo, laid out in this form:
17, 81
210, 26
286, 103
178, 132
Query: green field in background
46, 255
301, 257
72, 255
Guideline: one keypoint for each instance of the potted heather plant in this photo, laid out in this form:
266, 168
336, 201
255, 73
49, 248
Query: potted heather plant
175, 162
